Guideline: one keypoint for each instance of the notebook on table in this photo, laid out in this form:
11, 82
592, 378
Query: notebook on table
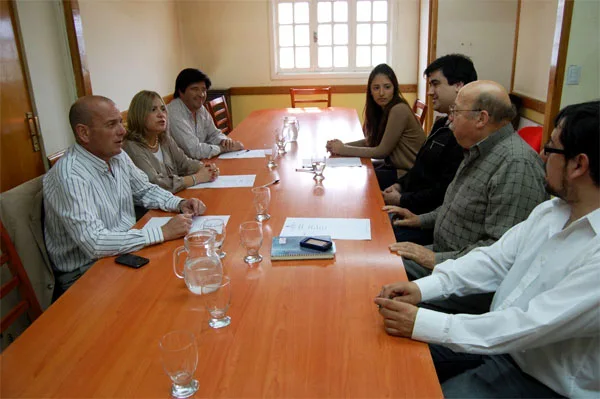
288, 248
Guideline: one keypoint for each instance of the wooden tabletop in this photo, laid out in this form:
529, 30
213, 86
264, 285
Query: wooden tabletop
299, 328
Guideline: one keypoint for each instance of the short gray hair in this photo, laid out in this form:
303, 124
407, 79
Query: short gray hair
498, 110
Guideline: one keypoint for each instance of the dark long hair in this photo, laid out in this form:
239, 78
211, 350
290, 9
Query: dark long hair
376, 117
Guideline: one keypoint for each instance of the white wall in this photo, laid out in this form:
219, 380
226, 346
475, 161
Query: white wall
229, 40
483, 30
49, 64
534, 51
584, 50
131, 46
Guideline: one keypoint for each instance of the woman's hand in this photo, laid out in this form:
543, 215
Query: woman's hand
209, 172
334, 146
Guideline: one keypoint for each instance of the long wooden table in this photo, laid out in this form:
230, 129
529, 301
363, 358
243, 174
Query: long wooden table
299, 328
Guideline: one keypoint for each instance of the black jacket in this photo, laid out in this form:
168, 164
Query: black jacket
424, 186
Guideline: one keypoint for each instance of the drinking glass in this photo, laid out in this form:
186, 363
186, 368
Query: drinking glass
217, 298
318, 163
179, 356
281, 140
293, 125
271, 154
262, 199
251, 237
218, 226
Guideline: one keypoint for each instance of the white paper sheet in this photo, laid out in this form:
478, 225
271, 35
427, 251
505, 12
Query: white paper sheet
337, 228
336, 162
228, 181
243, 154
197, 221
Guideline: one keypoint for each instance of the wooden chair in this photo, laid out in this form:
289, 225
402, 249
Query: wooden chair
532, 136
220, 113
311, 92
420, 111
53, 158
19, 281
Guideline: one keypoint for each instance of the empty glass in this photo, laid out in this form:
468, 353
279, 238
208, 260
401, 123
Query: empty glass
271, 154
179, 357
251, 237
318, 163
217, 298
218, 226
292, 125
262, 199
281, 140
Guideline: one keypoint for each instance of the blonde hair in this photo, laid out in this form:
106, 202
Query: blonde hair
140, 107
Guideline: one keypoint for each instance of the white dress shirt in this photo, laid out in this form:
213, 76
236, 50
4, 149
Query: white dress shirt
199, 138
89, 208
546, 310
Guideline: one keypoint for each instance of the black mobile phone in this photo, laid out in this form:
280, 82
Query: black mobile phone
320, 244
132, 260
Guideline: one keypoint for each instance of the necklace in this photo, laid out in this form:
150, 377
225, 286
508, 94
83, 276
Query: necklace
153, 146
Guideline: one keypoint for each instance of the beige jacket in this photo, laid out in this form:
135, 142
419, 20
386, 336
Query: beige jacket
168, 175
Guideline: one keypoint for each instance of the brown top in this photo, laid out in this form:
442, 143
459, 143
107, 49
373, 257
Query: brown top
401, 141
168, 174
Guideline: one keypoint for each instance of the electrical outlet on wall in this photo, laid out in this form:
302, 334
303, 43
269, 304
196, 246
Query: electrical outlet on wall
573, 74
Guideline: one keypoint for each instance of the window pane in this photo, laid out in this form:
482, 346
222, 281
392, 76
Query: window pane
324, 32
324, 11
363, 56
363, 11
380, 11
379, 55
286, 35
301, 13
302, 37
302, 57
340, 56
379, 33
340, 11
285, 12
340, 34
286, 58
325, 57
363, 34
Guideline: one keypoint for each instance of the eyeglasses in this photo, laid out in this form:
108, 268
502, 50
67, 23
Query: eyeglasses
453, 110
550, 150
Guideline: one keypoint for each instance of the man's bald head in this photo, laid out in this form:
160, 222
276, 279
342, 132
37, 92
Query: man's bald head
491, 97
82, 110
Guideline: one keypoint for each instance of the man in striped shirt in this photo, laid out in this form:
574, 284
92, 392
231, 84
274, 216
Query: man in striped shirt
89, 196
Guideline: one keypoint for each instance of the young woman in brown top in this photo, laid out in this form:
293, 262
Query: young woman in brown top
392, 132
155, 152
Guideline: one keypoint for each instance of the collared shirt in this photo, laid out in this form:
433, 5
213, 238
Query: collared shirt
500, 180
198, 138
546, 310
89, 208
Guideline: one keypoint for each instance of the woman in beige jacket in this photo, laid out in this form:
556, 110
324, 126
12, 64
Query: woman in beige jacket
392, 132
152, 149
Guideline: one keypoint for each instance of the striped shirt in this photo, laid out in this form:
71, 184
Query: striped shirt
497, 185
89, 208
199, 138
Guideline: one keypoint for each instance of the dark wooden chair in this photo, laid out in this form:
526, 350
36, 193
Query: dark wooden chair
53, 158
19, 281
312, 92
220, 113
420, 111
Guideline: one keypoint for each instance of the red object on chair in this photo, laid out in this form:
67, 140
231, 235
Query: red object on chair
532, 136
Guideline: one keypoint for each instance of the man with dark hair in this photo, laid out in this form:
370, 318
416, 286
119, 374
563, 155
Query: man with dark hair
422, 188
499, 182
90, 193
190, 124
541, 337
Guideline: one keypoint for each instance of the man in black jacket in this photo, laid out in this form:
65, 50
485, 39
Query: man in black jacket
422, 189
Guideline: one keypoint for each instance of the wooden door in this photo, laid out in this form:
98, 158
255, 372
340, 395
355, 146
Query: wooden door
20, 144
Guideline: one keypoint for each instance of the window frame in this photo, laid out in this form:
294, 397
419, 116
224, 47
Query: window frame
313, 72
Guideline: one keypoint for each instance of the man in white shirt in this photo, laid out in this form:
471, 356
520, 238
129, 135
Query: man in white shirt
89, 196
541, 337
190, 124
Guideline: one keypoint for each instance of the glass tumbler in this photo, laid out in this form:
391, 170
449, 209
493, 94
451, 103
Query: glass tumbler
179, 357
251, 237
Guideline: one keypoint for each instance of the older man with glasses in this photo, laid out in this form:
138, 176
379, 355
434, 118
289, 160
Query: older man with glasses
498, 183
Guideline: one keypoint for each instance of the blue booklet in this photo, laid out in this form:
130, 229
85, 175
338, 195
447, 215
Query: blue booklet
288, 248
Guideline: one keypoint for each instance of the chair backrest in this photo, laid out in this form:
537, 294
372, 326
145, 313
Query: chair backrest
420, 111
312, 92
53, 158
220, 113
532, 136
19, 280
